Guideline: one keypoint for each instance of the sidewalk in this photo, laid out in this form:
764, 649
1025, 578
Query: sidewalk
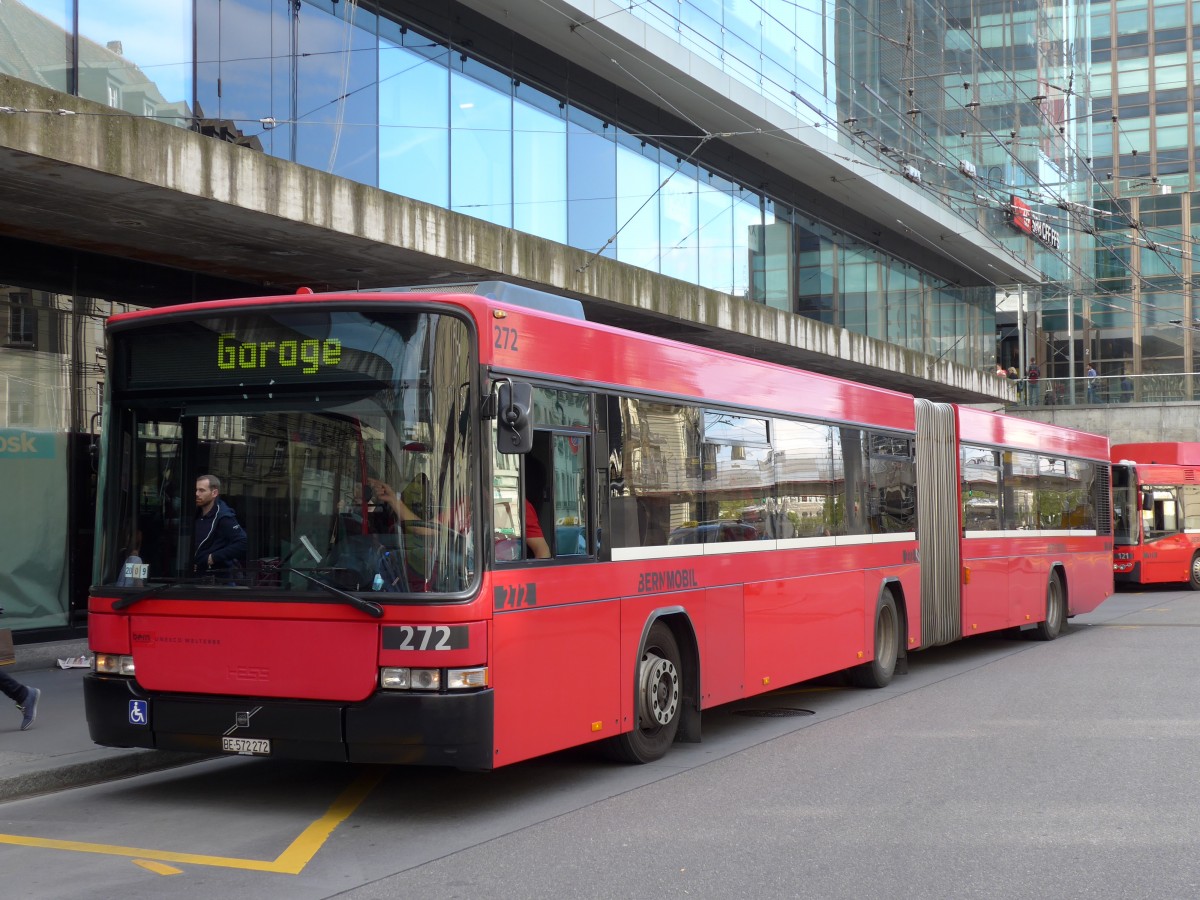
56, 752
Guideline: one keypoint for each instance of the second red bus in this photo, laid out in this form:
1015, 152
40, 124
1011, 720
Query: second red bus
1156, 507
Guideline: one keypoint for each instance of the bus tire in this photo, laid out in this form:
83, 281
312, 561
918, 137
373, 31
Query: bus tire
879, 671
1194, 573
1056, 611
659, 700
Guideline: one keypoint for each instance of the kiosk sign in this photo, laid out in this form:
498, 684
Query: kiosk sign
26, 444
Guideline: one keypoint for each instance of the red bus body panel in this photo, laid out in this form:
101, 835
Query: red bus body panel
263, 657
1017, 569
568, 662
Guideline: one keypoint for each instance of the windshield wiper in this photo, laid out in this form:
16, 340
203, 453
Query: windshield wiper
126, 602
370, 607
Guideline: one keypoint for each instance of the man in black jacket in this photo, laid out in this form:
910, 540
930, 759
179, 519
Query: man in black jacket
220, 540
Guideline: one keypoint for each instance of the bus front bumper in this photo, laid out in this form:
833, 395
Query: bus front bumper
409, 727
1129, 572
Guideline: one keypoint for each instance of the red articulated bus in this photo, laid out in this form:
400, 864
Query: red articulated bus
1156, 507
479, 529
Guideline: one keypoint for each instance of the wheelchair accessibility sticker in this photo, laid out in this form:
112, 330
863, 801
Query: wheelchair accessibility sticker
139, 712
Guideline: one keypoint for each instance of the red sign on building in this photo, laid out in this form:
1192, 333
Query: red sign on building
1023, 219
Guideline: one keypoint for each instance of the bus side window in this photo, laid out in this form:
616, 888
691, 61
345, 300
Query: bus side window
555, 484
539, 498
570, 493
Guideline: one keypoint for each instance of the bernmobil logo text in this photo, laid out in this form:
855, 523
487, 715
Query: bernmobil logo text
26, 444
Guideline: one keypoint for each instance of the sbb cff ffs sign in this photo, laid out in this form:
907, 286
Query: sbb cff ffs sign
1023, 219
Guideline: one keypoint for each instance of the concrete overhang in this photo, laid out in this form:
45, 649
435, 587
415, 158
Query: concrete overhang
142, 198
606, 39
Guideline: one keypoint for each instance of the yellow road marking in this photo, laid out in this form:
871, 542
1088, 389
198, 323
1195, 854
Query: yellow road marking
290, 862
157, 867
305, 847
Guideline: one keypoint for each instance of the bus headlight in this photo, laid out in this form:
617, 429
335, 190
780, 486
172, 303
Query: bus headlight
112, 664
393, 679
396, 678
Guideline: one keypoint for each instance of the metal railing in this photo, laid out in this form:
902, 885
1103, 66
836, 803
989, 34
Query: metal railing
1173, 387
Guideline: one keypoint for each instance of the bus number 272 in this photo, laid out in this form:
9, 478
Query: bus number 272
428, 637
506, 339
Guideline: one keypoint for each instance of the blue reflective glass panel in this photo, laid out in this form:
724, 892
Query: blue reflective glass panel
140, 62
208, 56
336, 100
637, 204
236, 43
539, 165
700, 28
40, 51
747, 237
680, 226
283, 133
414, 119
591, 183
480, 145
716, 234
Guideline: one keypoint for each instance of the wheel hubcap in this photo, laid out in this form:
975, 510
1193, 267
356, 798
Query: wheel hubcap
660, 689
885, 639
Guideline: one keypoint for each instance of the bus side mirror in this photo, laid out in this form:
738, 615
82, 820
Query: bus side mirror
514, 422
1147, 500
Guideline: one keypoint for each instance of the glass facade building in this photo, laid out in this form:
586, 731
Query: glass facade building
468, 117
1130, 280
959, 107
1142, 311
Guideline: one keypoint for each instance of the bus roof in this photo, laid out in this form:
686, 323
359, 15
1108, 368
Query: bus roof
527, 342
548, 340
604, 355
997, 429
1171, 453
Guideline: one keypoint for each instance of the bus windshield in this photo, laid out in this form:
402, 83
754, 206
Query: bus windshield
341, 442
1126, 506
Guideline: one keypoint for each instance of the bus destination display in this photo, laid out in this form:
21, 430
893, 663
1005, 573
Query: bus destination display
255, 353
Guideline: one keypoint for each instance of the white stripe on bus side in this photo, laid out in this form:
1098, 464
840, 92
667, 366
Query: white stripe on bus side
676, 551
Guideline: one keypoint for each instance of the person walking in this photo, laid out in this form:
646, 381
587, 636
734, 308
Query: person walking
1092, 381
23, 695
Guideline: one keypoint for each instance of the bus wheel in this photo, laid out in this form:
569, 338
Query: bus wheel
659, 700
1056, 611
1194, 573
879, 671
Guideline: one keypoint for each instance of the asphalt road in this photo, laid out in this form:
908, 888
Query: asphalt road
994, 768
